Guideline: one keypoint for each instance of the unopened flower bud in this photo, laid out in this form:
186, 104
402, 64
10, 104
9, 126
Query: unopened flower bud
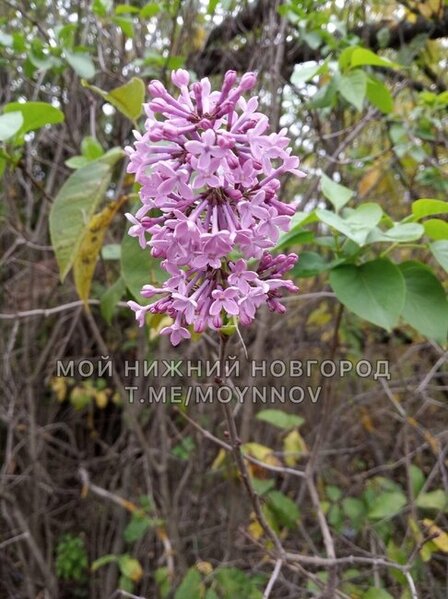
248, 81
180, 77
157, 89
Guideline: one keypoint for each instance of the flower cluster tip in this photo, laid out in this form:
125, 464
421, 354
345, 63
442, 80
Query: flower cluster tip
209, 174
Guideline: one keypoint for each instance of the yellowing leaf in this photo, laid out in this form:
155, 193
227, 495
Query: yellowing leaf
204, 568
429, 8
219, 460
198, 37
58, 385
90, 246
294, 446
255, 529
366, 421
261, 453
432, 441
116, 398
75, 204
427, 548
411, 17
101, 399
441, 540
320, 316
127, 98
130, 567
369, 180
156, 323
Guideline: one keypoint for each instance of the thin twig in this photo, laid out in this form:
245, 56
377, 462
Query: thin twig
274, 576
249, 458
49, 311
19, 537
239, 459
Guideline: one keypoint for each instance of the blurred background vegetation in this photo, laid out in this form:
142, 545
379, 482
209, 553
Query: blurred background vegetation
103, 498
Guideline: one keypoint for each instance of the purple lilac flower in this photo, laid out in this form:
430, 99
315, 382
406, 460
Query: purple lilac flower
209, 174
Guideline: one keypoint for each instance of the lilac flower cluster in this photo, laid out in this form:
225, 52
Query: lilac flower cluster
209, 176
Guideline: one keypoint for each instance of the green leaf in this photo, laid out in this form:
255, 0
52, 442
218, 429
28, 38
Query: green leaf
379, 96
325, 97
335, 516
426, 306
336, 193
354, 509
436, 229
127, 98
111, 157
262, 486
138, 267
279, 418
149, 10
284, 509
374, 291
103, 561
91, 148
43, 61
190, 587
417, 479
174, 62
297, 236
136, 528
376, 593
130, 567
110, 298
353, 87
232, 583
184, 449
125, 9
333, 493
387, 505
313, 39
439, 250
125, 584
303, 218
399, 556
125, 24
162, 578
212, 5
76, 162
66, 33
345, 58
356, 224
81, 63
428, 207
10, 124
74, 206
399, 233
363, 57
434, 500
310, 264
102, 7
35, 114
72, 209
362, 220
303, 74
